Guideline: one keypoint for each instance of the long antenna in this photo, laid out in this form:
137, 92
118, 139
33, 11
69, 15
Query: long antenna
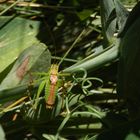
73, 44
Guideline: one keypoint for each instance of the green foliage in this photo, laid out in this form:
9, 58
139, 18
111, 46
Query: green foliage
2, 135
16, 34
129, 2
22, 65
85, 106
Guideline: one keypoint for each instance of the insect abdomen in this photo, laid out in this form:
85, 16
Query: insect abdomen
51, 87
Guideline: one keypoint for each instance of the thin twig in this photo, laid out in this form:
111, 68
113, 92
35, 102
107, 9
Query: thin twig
13, 4
31, 4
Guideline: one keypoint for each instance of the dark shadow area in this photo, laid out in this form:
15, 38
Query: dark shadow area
121, 130
60, 26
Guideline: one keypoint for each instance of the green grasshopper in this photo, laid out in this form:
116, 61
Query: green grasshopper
50, 81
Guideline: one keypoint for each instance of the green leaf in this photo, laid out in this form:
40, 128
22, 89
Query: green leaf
16, 34
95, 62
84, 14
132, 136
40, 89
131, 19
2, 134
108, 19
22, 65
129, 2
113, 13
121, 14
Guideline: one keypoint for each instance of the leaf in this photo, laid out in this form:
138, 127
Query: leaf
16, 34
113, 13
84, 14
109, 14
96, 61
129, 2
12, 94
129, 65
121, 14
2, 134
22, 65
131, 19
132, 136
40, 89
108, 20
